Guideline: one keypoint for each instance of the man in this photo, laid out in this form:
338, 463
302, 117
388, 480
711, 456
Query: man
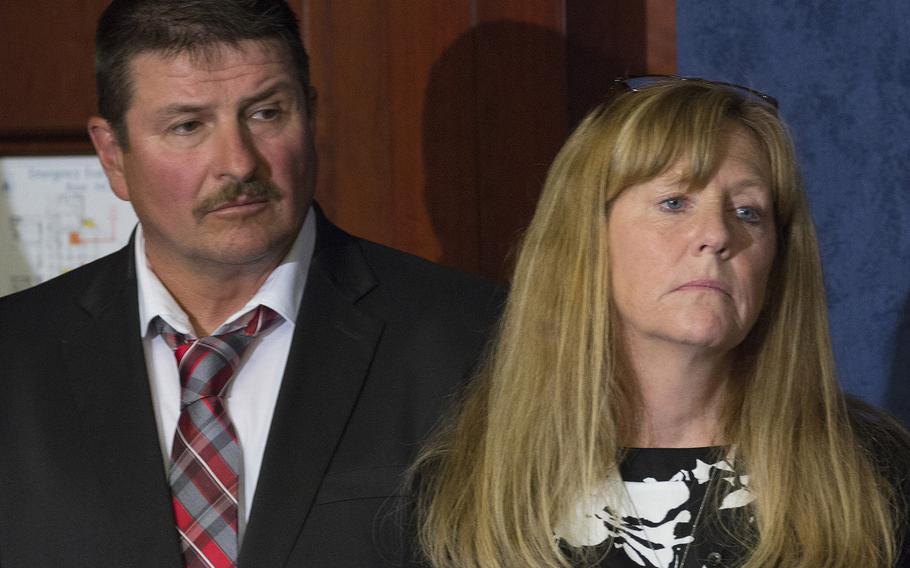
244, 383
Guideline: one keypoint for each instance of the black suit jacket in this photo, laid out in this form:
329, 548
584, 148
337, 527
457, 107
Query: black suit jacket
382, 342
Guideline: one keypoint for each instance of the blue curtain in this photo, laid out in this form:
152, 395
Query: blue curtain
841, 71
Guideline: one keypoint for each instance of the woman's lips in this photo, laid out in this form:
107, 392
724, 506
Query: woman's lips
708, 285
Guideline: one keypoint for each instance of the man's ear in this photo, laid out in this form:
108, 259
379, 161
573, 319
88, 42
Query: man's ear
110, 152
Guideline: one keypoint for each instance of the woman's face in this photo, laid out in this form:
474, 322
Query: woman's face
690, 266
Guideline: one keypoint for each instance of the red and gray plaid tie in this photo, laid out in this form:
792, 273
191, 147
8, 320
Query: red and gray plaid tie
205, 459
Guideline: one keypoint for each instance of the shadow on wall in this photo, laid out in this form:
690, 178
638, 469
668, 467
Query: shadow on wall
494, 118
897, 398
15, 272
499, 104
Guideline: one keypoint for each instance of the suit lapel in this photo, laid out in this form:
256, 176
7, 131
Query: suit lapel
331, 352
108, 378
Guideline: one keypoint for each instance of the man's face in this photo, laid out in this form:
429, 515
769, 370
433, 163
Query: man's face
220, 165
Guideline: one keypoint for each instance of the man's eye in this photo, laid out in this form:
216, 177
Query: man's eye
185, 128
266, 114
673, 204
748, 214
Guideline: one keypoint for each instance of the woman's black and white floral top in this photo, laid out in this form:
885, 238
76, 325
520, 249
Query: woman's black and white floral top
649, 512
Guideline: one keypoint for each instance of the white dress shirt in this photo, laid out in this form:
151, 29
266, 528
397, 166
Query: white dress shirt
251, 396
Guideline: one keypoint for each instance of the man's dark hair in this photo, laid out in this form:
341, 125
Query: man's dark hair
172, 27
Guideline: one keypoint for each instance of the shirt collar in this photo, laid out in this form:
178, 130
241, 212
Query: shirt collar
282, 290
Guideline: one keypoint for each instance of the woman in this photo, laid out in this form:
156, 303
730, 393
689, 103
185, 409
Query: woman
662, 390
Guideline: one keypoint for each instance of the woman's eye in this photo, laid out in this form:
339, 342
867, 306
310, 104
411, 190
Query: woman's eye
748, 214
673, 204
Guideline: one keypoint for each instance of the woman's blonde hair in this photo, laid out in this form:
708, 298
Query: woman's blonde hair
544, 421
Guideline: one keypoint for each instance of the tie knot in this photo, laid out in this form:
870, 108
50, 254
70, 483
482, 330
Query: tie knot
207, 364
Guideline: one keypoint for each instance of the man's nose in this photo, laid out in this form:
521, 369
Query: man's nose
237, 158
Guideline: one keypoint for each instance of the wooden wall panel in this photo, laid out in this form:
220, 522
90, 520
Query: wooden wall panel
47, 88
350, 73
612, 39
660, 36
438, 120
433, 134
521, 117
389, 123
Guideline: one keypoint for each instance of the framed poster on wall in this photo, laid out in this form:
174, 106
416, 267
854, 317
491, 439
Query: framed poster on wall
56, 214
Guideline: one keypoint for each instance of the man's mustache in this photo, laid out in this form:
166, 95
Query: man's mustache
228, 193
